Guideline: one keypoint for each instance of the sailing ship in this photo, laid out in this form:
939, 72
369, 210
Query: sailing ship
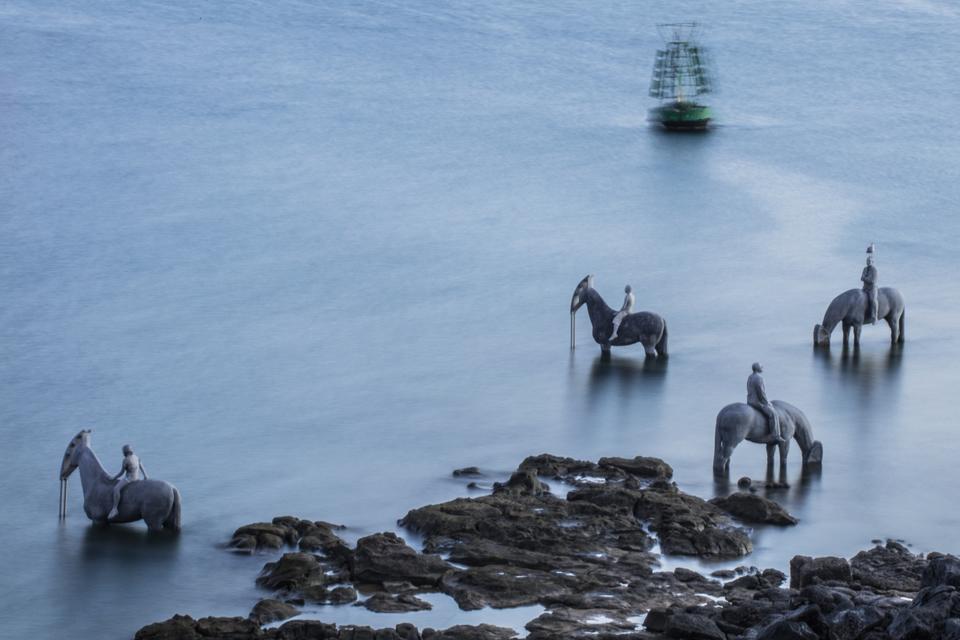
680, 75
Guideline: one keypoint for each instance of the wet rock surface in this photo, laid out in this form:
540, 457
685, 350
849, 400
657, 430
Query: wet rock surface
271, 610
750, 507
586, 558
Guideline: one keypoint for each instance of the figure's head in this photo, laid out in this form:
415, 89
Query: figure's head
127, 449
757, 367
627, 289
869, 259
71, 455
579, 294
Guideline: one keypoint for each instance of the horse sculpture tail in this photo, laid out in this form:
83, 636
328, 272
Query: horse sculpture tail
173, 520
662, 345
903, 322
718, 462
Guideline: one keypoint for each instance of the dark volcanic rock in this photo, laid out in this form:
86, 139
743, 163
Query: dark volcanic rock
522, 483
911, 625
751, 507
385, 557
850, 624
693, 627
567, 469
293, 571
341, 595
478, 632
500, 586
306, 630
270, 610
523, 545
467, 471
639, 466
259, 535
805, 570
228, 628
586, 559
690, 526
888, 568
787, 630
941, 570
176, 628
390, 603
287, 530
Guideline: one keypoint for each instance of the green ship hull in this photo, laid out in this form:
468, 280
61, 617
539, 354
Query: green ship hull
682, 116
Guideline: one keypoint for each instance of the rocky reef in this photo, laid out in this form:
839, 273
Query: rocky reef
588, 557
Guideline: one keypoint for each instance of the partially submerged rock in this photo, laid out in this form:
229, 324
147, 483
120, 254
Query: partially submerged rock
288, 531
754, 508
640, 466
472, 472
186, 628
805, 570
271, 610
395, 603
293, 572
385, 557
888, 568
586, 558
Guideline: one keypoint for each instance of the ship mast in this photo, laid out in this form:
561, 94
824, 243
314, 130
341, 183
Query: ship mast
679, 70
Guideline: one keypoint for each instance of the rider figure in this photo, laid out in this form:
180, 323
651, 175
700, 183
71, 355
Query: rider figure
757, 398
625, 310
869, 279
130, 471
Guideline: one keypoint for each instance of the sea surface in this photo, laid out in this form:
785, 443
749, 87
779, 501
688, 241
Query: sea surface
309, 257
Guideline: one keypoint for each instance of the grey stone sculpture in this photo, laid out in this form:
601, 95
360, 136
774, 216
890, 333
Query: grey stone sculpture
739, 421
850, 310
155, 501
647, 328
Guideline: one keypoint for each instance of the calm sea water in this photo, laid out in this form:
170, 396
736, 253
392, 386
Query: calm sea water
309, 257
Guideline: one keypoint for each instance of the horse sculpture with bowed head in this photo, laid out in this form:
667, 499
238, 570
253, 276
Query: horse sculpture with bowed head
739, 421
647, 328
154, 501
849, 309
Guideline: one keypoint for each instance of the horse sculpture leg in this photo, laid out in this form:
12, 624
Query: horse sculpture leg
856, 334
894, 323
771, 448
846, 333
784, 451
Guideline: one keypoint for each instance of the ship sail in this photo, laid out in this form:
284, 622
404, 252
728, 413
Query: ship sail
681, 73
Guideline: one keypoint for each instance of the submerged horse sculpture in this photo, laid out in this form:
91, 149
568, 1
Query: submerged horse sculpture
155, 501
644, 327
738, 422
849, 309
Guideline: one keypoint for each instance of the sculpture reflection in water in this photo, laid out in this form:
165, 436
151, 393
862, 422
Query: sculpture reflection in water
861, 388
776, 483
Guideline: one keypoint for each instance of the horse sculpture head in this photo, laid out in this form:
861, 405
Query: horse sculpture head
71, 455
579, 294
821, 338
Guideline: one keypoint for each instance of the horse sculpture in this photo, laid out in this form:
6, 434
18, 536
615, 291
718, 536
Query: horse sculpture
850, 308
647, 328
155, 501
739, 421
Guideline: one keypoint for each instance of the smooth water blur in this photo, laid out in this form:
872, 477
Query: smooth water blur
309, 257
